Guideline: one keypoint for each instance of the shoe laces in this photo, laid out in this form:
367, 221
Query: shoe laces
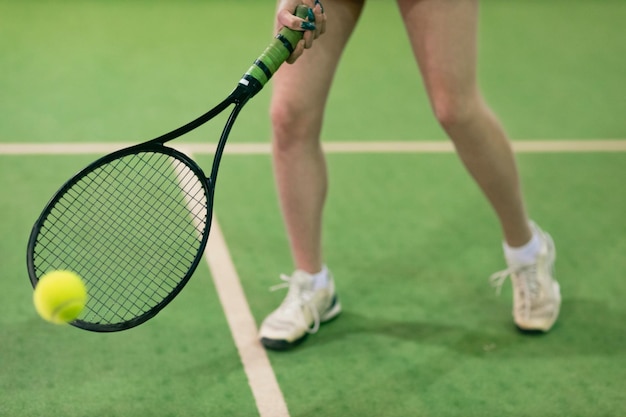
524, 281
298, 298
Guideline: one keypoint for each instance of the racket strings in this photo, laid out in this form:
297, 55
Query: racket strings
132, 228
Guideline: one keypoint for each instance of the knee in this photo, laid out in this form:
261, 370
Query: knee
454, 110
293, 124
283, 116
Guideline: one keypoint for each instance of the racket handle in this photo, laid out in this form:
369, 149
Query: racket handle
274, 56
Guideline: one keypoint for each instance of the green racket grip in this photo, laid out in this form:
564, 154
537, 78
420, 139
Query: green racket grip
275, 54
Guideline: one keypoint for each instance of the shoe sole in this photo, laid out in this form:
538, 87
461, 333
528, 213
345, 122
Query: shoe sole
282, 344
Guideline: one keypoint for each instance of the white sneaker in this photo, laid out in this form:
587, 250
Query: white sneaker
536, 294
301, 313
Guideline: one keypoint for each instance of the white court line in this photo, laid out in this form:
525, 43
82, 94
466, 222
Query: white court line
267, 394
269, 398
522, 146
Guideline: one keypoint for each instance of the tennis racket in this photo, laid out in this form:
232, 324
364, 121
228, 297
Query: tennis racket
134, 224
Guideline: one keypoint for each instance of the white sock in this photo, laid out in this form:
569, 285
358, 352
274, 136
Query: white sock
320, 279
523, 255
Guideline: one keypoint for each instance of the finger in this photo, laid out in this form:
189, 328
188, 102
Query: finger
308, 38
285, 18
319, 3
320, 19
297, 52
313, 18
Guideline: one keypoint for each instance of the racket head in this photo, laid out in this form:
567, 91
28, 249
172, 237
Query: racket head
134, 225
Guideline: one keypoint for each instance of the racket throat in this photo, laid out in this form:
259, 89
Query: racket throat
247, 88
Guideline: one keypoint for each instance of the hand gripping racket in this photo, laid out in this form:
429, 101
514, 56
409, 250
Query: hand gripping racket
134, 224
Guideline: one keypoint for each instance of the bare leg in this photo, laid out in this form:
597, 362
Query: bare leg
443, 36
297, 110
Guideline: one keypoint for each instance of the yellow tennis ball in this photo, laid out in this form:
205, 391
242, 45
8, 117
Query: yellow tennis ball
60, 296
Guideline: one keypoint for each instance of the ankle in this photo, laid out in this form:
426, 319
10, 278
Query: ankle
321, 279
525, 254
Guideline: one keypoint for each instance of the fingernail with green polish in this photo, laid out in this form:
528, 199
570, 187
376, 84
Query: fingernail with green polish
311, 15
308, 26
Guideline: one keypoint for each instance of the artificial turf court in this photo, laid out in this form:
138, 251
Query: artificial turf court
407, 234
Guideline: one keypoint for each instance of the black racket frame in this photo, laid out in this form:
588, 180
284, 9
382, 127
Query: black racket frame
244, 91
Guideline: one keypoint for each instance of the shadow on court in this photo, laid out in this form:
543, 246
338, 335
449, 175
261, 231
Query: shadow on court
585, 327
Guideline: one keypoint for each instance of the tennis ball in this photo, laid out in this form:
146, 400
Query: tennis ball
60, 296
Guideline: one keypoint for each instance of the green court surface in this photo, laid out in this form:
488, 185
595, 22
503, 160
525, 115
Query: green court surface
407, 234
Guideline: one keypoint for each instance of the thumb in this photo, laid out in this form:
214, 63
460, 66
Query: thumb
285, 18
